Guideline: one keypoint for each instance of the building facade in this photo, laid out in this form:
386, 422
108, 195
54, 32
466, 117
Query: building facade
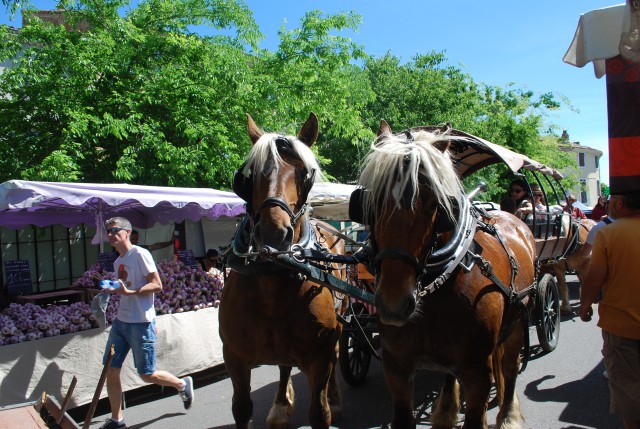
588, 159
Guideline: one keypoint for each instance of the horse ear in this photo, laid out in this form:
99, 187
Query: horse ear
442, 145
309, 131
253, 130
384, 128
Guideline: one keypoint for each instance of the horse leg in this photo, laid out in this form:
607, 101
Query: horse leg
240, 374
282, 407
445, 414
559, 270
318, 377
335, 401
476, 379
506, 369
400, 383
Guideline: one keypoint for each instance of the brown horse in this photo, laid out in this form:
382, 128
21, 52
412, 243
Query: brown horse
454, 306
268, 316
576, 261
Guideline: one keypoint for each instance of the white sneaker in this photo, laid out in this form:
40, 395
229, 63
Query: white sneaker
187, 394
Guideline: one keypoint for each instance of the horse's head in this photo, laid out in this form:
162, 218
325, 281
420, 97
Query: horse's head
411, 188
275, 181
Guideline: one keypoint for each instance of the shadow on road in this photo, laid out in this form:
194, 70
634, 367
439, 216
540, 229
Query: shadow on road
578, 399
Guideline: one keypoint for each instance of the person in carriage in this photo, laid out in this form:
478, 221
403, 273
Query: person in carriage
575, 212
519, 192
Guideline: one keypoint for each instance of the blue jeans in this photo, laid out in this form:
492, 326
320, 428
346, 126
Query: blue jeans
138, 337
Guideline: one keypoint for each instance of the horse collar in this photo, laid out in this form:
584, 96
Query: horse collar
439, 268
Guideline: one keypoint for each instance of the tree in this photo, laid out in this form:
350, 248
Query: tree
137, 99
142, 98
314, 69
427, 91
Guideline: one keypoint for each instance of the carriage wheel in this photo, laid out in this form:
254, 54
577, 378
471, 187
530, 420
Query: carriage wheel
547, 311
355, 356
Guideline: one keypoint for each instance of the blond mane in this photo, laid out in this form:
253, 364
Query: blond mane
395, 162
266, 147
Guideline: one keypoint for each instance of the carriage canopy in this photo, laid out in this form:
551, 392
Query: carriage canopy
473, 153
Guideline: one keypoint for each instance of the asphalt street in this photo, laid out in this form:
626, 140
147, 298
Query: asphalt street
563, 389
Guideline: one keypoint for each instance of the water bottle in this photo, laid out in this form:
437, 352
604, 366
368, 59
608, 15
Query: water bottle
113, 284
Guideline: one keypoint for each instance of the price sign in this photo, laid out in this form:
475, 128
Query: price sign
18, 277
107, 260
187, 258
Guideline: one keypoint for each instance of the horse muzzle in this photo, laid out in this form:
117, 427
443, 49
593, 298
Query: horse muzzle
398, 313
277, 236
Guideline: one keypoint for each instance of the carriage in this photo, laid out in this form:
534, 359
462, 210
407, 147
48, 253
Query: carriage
274, 312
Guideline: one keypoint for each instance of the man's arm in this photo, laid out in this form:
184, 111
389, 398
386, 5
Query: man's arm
591, 288
154, 285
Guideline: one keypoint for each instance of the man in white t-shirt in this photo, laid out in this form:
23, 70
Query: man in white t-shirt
134, 326
591, 237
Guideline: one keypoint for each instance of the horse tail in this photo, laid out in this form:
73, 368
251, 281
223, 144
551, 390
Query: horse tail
498, 373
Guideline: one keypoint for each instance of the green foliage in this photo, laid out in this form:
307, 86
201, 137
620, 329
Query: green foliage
142, 97
135, 99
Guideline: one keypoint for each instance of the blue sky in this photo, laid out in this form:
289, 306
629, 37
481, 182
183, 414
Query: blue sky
498, 42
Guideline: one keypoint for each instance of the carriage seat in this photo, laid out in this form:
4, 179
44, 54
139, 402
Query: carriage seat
546, 225
551, 233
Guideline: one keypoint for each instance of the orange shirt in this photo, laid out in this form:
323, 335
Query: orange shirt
617, 248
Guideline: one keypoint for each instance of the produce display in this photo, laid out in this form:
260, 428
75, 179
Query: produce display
29, 322
184, 289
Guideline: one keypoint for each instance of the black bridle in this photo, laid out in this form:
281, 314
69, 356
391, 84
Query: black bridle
279, 202
436, 265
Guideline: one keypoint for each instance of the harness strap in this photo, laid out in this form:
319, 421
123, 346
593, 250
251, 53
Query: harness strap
273, 201
492, 230
461, 253
571, 245
393, 253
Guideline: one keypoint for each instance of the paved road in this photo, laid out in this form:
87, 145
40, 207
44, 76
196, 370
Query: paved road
561, 390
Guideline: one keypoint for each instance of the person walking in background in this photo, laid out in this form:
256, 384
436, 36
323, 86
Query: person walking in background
614, 271
605, 220
599, 209
135, 236
134, 326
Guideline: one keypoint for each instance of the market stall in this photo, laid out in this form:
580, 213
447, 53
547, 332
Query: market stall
39, 359
43, 354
